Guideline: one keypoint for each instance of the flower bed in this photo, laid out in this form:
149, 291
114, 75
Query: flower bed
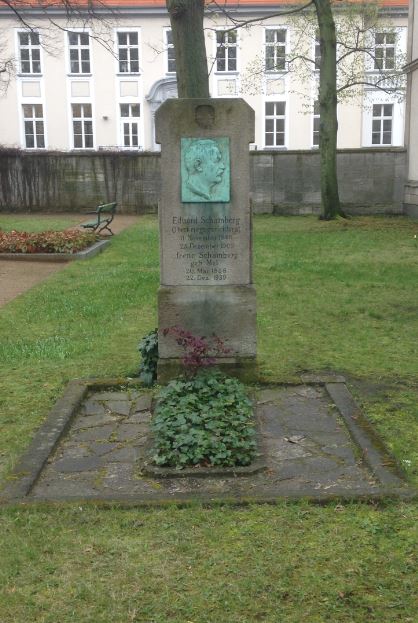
67, 241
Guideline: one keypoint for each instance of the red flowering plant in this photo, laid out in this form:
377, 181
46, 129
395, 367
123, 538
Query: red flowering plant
68, 241
199, 351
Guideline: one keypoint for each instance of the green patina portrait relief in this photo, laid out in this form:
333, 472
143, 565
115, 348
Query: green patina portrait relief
205, 170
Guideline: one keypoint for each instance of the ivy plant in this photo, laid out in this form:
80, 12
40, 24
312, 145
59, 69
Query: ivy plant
148, 347
204, 420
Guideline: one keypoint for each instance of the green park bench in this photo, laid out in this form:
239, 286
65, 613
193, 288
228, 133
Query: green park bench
105, 214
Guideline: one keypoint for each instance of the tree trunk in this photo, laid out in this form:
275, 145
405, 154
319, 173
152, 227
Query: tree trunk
186, 17
328, 111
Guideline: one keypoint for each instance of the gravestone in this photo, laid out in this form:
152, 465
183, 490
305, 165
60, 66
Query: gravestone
205, 230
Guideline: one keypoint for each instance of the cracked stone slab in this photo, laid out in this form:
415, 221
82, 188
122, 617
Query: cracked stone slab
108, 396
121, 407
78, 464
93, 434
127, 432
102, 449
143, 403
143, 417
281, 450
129, 454
75, 452
118, 476
95, 421
92, 407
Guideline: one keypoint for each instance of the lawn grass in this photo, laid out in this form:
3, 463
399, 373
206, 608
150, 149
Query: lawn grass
37, 223
331, 296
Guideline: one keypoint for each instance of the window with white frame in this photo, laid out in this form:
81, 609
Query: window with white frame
129, 115
226, 50
275, 117
382, 124
171, 56
82, 126
384, 50
128, 52
33, 120
275, 49
29, 52
315, 126
79, 47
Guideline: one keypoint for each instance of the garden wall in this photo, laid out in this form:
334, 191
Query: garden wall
370, 181
283, 182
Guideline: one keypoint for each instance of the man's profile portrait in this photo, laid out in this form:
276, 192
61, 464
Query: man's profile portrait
205, 170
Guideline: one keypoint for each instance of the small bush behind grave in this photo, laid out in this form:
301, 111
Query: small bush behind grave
148, 347
68, 241
204, 420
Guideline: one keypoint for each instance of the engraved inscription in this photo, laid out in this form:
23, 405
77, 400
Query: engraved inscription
207, 249
205, 170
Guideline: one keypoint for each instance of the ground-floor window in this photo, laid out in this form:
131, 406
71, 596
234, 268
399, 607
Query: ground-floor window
129, 114
315, 126
33, 119
275, 116
382, 124
82, 126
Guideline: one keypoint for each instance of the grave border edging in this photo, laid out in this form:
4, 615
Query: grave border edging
88, 253
29, 467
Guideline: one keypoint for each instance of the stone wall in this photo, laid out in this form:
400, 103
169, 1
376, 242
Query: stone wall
282, 182
411, 198
370, 181
69, 182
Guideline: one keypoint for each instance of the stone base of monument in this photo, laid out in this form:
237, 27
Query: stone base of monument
229, 312
244, 368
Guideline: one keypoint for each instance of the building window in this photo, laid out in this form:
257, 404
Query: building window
226, 50
275, 49
129, 114
384, 50
79, 46
33, 119
128, 52
171, 57
316, 122
382, 124
29, 53
82, 126
275, 124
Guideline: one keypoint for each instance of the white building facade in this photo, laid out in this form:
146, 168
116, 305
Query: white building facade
97, 86
411, 188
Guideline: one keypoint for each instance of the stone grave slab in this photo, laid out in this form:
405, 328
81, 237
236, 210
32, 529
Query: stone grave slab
338, 459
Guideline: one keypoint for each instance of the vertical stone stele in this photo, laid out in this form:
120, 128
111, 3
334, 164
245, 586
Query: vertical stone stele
205, 231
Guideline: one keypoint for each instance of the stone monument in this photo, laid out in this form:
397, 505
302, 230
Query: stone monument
205, 230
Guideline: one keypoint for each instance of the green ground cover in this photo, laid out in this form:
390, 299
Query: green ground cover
331, 296
37, 223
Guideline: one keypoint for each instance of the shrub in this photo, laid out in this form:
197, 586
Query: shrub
205, 420
68, 241
148, 347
